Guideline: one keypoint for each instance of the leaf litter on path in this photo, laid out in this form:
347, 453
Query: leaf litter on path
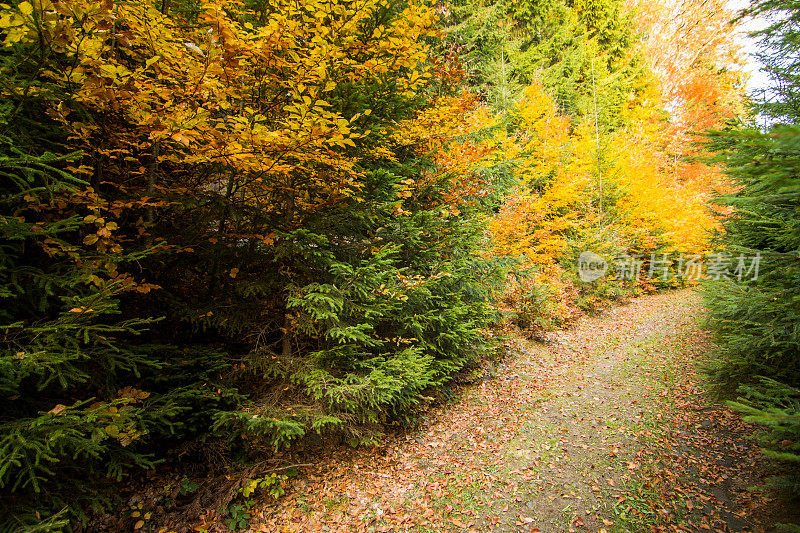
605, 428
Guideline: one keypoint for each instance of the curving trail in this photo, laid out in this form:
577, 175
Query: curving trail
605, 427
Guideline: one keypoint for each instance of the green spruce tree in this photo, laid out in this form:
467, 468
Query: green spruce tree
755, 316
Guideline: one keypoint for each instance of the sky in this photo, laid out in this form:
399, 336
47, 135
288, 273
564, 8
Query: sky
758, 80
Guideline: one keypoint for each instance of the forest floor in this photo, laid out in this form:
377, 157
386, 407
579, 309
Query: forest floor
606, 427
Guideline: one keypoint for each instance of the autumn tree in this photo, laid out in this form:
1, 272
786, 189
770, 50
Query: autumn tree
692, 49
254, 178
598, 141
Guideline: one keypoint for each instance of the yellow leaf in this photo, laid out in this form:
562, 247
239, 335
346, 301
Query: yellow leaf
25, 8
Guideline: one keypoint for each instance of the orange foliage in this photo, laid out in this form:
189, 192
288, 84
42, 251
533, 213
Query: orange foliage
629, 191
440, 131
691, 48
249, 103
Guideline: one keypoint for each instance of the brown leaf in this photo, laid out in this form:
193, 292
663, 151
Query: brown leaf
458, 523
58, 409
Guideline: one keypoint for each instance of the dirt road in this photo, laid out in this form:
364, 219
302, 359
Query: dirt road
604, 427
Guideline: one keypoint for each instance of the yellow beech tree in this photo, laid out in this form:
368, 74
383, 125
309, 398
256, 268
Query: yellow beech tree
277, 205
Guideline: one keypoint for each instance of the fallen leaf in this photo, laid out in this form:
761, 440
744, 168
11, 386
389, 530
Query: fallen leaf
458, 523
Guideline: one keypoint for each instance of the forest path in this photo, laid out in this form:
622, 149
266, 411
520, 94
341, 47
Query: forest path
605, 427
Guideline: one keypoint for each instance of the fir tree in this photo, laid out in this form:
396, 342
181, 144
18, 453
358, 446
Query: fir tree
755, 317
61, 356
580, 51
310, 264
